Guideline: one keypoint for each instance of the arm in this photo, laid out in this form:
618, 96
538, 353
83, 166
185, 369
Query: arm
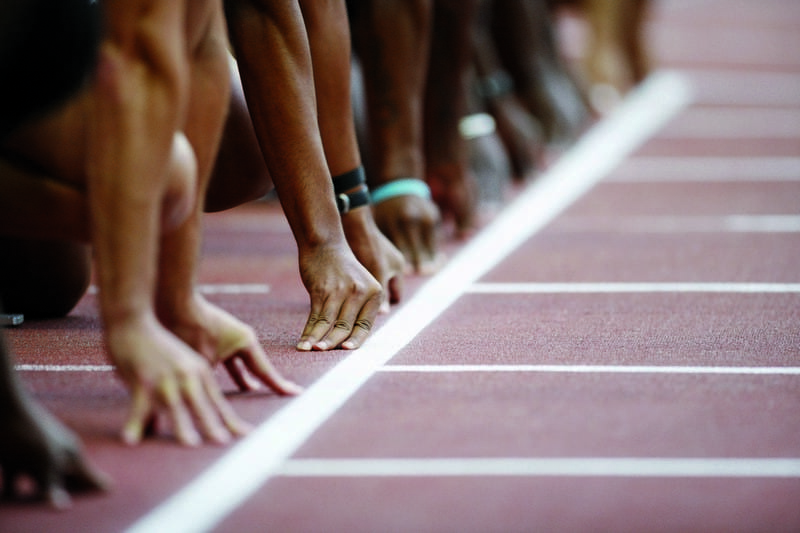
329, 41
392, 40
272, 50
138, 104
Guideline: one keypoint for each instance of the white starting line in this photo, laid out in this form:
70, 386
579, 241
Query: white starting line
598, 369
221, 288
657, 169
545, 466
628, 287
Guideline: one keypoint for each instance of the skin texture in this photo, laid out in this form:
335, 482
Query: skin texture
272, 50
329, 42
616, 58
392, 40
129, 171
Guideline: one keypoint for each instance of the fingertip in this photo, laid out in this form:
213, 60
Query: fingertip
58, 498
190, 439
304, 346
131, 435
321, 346
290, 388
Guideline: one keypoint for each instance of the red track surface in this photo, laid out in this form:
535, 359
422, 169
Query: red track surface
662, 216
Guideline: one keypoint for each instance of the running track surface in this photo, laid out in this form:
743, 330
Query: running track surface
619, 350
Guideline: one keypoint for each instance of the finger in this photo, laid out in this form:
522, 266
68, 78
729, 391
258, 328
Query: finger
138, 418
57, 496
429, 242
316, 326
244, 381
396, 286
363, 324
83, 476
326, 321
234, 424
183, 424
49, 483
260, 366
194, 392
362, 298
398, 237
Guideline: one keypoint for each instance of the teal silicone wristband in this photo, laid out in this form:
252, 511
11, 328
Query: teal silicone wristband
401, 187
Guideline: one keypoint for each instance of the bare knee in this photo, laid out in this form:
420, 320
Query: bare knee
181, 190
43, 279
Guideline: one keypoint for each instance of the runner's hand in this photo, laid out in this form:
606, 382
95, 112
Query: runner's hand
222, 338
411, 223
37, 445
165, 376
345, 299
376, 253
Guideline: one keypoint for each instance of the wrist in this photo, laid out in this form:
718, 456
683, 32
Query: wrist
351, 191
401, 187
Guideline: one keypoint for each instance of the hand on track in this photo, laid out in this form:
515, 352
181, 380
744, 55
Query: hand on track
411, 223
376, 253
165, 376
345, 299
221, 338
36, 444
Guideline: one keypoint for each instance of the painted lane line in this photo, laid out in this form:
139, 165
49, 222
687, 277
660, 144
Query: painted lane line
738, 87
221, 288
250, 463
630, 369
590, 288
736, 123
598, 369
683, 224
64, 368
658, 169
762, 223
744, 467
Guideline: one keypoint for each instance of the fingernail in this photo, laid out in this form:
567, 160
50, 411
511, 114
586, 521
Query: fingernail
304, 346
130, 438
348, 345
321, 346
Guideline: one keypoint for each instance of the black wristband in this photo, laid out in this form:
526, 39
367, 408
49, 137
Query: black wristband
347, 202
349, 180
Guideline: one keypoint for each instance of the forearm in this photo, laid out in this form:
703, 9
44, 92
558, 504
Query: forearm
275, 64
393, 42
137, 106
329, 42
209, 98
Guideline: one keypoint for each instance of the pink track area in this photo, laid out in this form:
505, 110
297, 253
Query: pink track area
713, 197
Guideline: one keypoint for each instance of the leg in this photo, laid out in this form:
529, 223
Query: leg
42, 279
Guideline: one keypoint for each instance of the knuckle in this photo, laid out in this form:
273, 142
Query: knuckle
363, 323
316, 318
342, 325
